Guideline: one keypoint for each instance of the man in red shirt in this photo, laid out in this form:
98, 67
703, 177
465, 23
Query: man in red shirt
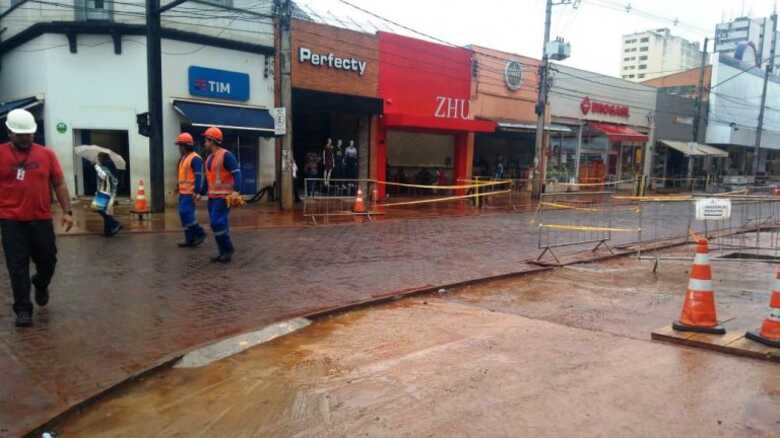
28, 172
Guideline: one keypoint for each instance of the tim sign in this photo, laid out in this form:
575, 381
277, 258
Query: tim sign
218, 84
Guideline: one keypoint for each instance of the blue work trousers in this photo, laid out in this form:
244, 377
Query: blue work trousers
189, 219
219, 215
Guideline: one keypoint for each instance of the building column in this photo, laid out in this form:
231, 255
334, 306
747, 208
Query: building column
464, 155
379, 157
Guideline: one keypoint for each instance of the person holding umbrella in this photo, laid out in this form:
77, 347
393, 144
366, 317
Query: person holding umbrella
105, 195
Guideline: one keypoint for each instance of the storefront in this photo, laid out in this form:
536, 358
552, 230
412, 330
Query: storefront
611, 122
91, 88
427, 128
334, 75
504, 90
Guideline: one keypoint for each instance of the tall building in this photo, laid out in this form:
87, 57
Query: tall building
653, 53
732, 38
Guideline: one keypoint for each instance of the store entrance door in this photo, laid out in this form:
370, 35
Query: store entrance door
116, 141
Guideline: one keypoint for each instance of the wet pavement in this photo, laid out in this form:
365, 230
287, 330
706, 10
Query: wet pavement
563, 353
122, 305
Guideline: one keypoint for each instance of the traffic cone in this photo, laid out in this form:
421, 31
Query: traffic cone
770, 329
375, 196
141, 207
360, 205
698, 312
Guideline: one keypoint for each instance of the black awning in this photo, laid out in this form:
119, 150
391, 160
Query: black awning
225, 116
26, 103
318, 101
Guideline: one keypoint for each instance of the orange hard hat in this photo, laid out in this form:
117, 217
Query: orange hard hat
186, 139
213, 133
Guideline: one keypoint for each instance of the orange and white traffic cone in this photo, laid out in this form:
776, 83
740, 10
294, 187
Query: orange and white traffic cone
141, 207
698, 312
360, 205
770, 329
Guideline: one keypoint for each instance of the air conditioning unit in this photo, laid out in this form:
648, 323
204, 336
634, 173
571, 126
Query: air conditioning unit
558, 50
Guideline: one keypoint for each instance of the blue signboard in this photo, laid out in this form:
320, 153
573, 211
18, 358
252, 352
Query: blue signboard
220, 84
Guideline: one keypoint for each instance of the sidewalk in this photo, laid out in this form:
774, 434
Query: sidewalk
121, 306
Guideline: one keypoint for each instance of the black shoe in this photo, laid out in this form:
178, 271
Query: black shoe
41, 294
24, 319
222, 258
115, 231
185, 245
198, 240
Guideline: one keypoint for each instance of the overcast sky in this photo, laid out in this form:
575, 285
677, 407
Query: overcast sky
594, 28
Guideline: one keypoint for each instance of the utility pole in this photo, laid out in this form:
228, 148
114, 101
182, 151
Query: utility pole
541, 104
154, 90
770, 66
286, 184
698, 104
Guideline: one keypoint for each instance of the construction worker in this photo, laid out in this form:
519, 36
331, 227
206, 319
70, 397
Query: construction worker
223, 178
190, 187
28, 174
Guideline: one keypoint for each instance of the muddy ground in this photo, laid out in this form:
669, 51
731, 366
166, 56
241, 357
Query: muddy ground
563, 353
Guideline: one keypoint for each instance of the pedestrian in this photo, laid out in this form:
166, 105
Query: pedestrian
28, 172
223, 178
106, 194
190, 186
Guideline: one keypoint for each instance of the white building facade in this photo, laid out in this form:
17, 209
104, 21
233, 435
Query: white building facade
86, 82
744, 38
654, 53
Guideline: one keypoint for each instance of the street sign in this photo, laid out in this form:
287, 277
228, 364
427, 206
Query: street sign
220, 84
713, 209
280, 120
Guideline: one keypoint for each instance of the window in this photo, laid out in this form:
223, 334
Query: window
644, 40
630, 41
626, 59
633, 58
643, 66
640, 76
630, 76
643, 49
643, 58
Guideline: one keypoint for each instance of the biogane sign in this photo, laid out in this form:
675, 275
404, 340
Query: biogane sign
591, 106
330, 60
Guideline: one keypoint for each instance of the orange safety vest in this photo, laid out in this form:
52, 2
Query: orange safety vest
186, 174
220, 179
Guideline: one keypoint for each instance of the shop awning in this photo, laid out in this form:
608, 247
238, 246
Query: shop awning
507, 126
225, 116
618, 132
695, 149
421, 122
26, 103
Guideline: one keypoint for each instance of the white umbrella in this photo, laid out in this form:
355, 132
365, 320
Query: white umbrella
90, 153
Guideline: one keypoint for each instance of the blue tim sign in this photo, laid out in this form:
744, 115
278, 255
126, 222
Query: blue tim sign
220, 84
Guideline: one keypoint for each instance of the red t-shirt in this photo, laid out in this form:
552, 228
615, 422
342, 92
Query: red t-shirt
27, 197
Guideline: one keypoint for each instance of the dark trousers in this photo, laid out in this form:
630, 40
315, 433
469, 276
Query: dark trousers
219, 214
23, 241
109, 223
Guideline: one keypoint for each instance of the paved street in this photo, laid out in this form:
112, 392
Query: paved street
122, 305
563, 353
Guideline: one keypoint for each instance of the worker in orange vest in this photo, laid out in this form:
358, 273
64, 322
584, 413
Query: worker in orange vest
223, 178
190, 186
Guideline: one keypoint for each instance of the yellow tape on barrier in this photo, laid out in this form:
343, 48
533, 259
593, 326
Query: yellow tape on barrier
448, 198
655, 198
583, 228
421, 186
568, 207
625, 181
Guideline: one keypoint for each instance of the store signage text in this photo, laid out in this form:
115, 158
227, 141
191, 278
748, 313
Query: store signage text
451, 108
331, 61
220, 84
590, 106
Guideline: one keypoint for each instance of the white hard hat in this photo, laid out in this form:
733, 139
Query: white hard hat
21, 121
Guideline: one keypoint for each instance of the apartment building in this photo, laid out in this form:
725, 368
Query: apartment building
654, 53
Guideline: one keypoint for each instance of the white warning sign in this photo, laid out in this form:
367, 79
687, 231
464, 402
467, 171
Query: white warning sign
713, 209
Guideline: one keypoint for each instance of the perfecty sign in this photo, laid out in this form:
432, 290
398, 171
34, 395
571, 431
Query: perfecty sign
330, 60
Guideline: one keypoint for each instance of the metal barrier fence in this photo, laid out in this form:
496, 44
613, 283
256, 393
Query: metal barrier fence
324, 199
517, 198
750, 232
578, 218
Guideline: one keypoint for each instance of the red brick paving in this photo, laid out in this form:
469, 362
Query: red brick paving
124, 304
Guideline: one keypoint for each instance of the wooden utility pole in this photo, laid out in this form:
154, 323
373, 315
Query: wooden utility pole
286, 184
